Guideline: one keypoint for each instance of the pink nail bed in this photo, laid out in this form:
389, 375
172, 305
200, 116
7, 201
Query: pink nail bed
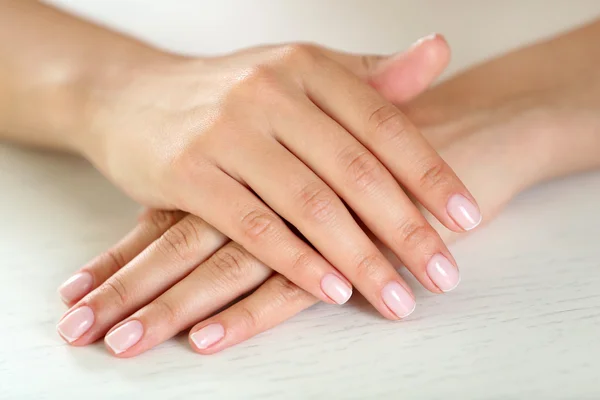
125, 336
208, 336
398, 299
443, 273
463, 212
336, 289
76, 287
76, 323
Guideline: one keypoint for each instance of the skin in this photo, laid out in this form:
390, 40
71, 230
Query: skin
182, 253
247, 142
545, 125
103, 97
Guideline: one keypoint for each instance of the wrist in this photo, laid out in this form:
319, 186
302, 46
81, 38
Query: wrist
542, 135
103, 91
48, 64
562, 126
38, 103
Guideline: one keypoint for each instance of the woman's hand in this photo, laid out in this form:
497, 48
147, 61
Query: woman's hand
520, 134
171, 272
252, 140
248, 142
174, 270
171, 248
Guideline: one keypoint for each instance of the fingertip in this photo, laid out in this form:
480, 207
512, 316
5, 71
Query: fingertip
431, 56
114, 353
205, 352
337, 290
434, 289
76, 287
75, 324
437, 51
408, 74
464, 212
398, 299
206, 339
124, 338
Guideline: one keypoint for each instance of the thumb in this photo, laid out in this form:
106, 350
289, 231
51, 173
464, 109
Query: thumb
402, 76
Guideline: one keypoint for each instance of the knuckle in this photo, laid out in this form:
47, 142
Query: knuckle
186, 166
116, 289
412, 234
166, 312
317, 202
249, 317
302, 262
362, 168
260, 75
260, 82
180, 240
258, 225
369, 267
162, 219
113, 260
285, 290
436, 174
231, 262
386, 124
297, 54
369, 62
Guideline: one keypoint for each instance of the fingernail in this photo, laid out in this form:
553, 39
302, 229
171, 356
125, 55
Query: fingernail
443, 273
76, 287
336, 289
463, 212
76, 323
125, 336
431, 36
398, 299
208, 335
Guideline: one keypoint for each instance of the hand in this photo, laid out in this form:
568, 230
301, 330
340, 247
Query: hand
286, 133
167, 275
171, 272
184, 256
514, 133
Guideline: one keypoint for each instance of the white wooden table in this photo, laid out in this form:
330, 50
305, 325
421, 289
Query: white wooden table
525, 322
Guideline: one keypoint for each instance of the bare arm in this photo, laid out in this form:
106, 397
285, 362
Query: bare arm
47, 62
548, 92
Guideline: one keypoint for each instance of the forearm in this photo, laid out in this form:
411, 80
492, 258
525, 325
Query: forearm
546, 94
48, 60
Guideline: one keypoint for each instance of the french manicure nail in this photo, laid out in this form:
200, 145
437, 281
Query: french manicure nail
76, 323
431, 36
125, 336
336, 289
208, 335
398, 299
463, 212
76, 287
443, 273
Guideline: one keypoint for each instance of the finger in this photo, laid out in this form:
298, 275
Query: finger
403, 76
360, 179
151, 225
229, 273
390, 136
275, 301
249, 222
300, 197
166, 261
